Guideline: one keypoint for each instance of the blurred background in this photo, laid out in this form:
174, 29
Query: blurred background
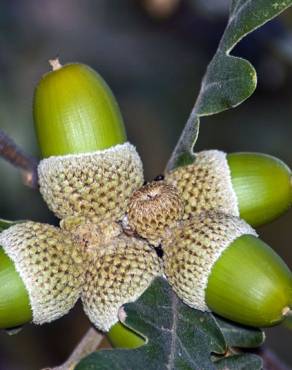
153, 54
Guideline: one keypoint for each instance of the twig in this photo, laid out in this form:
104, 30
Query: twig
16, 156
271, 360
183, 151
87, 345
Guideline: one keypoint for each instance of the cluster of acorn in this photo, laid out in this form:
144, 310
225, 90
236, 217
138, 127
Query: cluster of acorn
105, 250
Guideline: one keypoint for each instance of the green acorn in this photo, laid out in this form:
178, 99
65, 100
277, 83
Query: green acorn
88, 168
15, 308
257, 187
262, 185
41, 274
215, 262
75, 111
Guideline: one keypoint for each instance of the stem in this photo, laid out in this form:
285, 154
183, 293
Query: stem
87, 345
119, 336
271, 361
286, 311
18, 158
55, 64
183, 151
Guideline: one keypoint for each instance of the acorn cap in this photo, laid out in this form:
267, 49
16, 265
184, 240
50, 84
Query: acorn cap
49, 265
192, 249
89, 232
75, 112
152, 209
95, 184
215, 262
89, 169
239, 184
117, 273
262, 184
205, 185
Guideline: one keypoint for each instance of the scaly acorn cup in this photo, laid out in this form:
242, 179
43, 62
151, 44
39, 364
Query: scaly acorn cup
90, 234
257, 187
88, 168
216, 262
118, 270
153, 209
40, 272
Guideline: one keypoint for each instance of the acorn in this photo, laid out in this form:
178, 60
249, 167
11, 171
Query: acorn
89, 169
215, 262
153, 209
256, 187
15, 308
41, 274
117, 272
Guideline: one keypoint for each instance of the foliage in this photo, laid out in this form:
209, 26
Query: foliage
178, 337
229, 80
4, 224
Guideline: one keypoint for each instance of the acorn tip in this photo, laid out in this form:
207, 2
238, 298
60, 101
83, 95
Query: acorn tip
55, 64
286, 311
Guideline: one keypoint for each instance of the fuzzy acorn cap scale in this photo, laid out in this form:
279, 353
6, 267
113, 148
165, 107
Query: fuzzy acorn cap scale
49, 264
89, 232
117, 273
97, 184
192, 249
240, 184
205, 185
152, 209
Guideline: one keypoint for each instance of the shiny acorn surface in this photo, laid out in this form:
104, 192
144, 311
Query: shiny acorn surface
216, 262
14, 302
250, 284
121, 336
262, 184
75, 112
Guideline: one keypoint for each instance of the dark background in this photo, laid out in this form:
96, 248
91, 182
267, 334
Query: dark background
153, 54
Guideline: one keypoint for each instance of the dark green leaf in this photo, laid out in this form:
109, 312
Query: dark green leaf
178, 337
240, 336
228, 80
240, 362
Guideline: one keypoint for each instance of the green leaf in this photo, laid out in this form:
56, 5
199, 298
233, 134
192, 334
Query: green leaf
5, 224
240, 362
237, 335
229, 80
177, 337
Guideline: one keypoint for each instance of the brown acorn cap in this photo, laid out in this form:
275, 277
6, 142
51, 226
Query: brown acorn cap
193, 248
49, 264
117, 273
97, 184
153, 208
205, 185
